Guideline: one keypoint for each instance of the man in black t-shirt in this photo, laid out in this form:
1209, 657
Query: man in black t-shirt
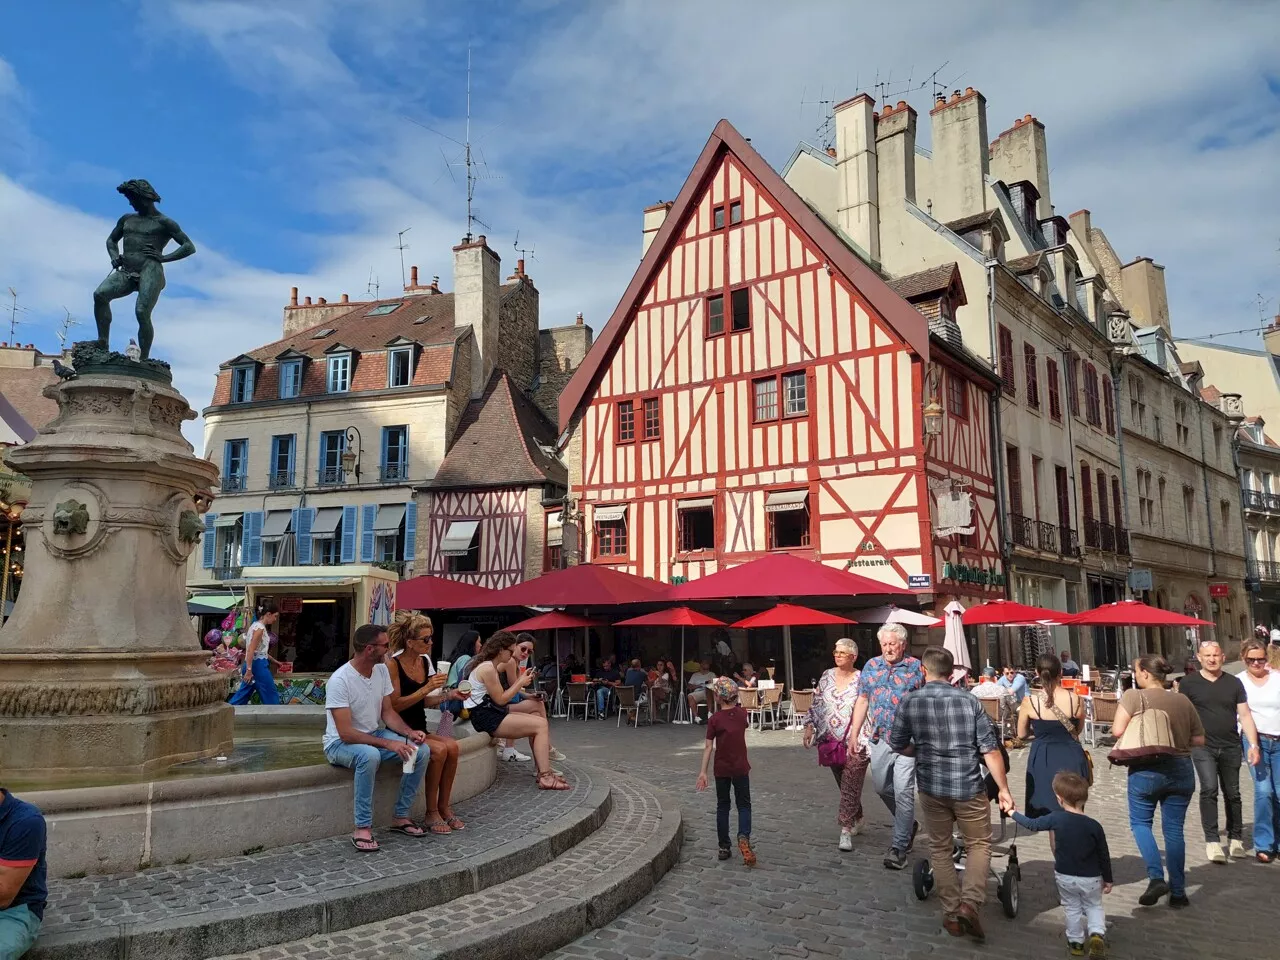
1220, 700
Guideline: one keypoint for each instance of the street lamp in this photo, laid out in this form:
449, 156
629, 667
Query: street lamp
12, 513
350, 456
933, 418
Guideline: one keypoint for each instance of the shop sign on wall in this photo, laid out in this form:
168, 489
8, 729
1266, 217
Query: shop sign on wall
953, 506
963, 573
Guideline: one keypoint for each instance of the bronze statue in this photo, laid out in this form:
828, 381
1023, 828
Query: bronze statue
138, 269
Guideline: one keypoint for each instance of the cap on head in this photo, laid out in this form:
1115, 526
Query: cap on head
140, 189
726, 690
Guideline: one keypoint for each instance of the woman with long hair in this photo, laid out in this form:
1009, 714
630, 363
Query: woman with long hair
258, 660
1054, 715
533, 703
1262, 688
830, 717
415, 685
468, 646
491, 712
1166, 779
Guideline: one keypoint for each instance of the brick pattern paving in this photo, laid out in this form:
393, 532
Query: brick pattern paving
806, 898
634, 819
512, 807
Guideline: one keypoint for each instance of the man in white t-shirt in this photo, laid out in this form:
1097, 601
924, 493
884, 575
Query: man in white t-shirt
697, 685
362, 730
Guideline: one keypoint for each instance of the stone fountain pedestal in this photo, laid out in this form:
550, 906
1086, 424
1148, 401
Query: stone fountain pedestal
100, 668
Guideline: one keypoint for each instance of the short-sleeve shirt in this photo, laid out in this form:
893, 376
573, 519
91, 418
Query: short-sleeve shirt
362, 695
884, 686
1184, 720
1216, 701
22, 844
701, 679
728, 728
263, 650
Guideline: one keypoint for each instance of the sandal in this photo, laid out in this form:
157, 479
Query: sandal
409, 829
550, 780
439, 827
365, 844
455, 824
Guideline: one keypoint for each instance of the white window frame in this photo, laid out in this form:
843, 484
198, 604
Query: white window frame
242, 384
338, 362
287, 369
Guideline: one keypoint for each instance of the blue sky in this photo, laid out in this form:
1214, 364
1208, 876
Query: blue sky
276, 133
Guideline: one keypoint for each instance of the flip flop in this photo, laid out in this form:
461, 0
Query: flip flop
366, 841
409, 830
455, 824
439, 827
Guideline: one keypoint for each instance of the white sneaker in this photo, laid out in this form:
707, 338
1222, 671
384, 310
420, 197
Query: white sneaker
518, 756
1214, 852
1237, 849
846, 839
557, 755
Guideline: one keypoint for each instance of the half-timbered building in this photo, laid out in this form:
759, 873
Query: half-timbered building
760, 387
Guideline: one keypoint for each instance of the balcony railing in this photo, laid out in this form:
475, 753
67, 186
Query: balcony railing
1107, 537
280, 480
1258, 500
1020, 528
395, 566
392, 472
1092, 535
1122, 541
331, 476
1047, 534
1268, 571
233, 483
227, 573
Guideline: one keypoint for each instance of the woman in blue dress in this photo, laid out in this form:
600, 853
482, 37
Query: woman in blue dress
1054, 716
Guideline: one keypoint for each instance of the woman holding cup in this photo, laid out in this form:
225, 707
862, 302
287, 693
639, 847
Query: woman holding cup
416, 685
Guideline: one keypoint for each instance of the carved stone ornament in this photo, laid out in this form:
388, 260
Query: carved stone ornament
953, 508
1120, 330
70, 518
190, 526
55, 698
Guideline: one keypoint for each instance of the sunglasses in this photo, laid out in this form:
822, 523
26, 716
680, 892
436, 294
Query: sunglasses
1255, 660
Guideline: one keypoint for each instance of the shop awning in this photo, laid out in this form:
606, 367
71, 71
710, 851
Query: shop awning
555, 529
457, 540
326, 522
390, 516
276, 524
227, 520
616, 511
220, 601
696, 504
781, 500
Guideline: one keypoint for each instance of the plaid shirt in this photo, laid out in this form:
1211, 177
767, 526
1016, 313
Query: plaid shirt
950, 730
884, 687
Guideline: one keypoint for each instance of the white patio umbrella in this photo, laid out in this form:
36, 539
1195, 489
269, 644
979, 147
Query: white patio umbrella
888, 613
953, 640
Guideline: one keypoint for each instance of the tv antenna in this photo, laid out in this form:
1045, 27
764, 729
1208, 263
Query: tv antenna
64, 328
14, 310
372, 287
402, 247
825, 133
526, 253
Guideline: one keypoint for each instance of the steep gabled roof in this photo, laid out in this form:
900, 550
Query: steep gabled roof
500, 442
936, 280
899, 315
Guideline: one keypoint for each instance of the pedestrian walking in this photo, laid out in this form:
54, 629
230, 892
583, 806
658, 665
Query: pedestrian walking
885, 680
829, 724
1160, 773
1262, 687
727, 737
1081, 864
949, 735
1221, 702
1054, 715
258, 660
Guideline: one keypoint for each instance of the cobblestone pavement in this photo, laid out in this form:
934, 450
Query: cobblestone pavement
806, 898
323, 865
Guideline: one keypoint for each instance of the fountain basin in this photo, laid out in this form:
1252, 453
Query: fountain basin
276, 789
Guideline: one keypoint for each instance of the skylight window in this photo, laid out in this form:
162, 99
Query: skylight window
382, 309
421, 320
321, 334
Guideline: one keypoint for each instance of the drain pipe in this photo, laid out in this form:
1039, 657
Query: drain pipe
1116, 381
997, 433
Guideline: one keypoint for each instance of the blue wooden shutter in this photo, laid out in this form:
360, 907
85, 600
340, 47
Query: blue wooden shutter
370, 511
350, 517
252, 546
302, 519
210, 541
404, 452
274, 465
410, 529
226, 462
386, 438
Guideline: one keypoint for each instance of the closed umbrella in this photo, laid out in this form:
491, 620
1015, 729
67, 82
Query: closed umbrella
954, 640
674, 617
787, 615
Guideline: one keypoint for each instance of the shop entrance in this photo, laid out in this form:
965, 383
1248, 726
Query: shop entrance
315, 632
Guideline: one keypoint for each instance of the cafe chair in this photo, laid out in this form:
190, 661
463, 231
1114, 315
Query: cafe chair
580, 698
628, 705
749, 700
771, 702
797, 707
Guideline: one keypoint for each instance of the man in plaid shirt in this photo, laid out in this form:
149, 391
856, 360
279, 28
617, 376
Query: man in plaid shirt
947, 730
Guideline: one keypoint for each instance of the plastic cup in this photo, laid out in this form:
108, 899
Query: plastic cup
409, 764
442, 666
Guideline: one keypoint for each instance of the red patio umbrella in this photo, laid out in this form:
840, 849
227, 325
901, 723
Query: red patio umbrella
441, 593
555, 620
786, 616
1010, 613
674, 617
1133, 613
584, 585
782, 575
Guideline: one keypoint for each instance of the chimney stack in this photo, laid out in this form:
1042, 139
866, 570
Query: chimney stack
654, 217
857, 186
1019, 154
413, 276
896, 155
961, 156
345, 299
293, 296
476, 290
1144, 293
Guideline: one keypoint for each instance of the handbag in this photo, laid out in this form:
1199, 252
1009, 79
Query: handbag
1071, 729
835, 753
1148, 736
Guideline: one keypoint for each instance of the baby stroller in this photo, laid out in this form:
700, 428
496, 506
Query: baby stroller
1006, 880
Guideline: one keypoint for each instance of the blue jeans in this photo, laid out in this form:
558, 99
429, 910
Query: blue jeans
18, 930
894, 777
1266, 797
1170, 783
602, 700
742, 797
364, 759
259, 679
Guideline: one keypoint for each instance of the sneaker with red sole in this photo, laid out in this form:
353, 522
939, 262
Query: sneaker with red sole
748, 855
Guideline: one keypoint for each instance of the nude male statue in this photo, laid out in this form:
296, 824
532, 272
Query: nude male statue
138, 269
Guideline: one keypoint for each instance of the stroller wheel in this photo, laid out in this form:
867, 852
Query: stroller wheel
1008, 892
922, 879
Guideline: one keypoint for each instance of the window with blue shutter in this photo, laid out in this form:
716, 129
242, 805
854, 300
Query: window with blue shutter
302, 519
367, 521
280, 476
395, 453
251, 550
410, 529
332, 444
349, 520
235, 465
290, 379
242, 385
210, 542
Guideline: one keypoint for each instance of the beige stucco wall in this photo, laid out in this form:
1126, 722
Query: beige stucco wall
1250, 373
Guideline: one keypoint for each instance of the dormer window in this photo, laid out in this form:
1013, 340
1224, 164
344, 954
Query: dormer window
290, 379
339, 378
242, 384
400, 367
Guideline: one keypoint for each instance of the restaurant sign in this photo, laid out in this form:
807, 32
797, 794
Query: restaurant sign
1219, 589
963, 573
953, 505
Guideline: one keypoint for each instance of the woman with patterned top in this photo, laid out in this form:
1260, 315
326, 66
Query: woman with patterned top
830, 718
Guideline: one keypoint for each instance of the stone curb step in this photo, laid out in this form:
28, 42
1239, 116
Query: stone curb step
586, 887
229, 930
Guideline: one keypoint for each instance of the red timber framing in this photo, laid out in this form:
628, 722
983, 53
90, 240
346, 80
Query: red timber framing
503, 518
846, 451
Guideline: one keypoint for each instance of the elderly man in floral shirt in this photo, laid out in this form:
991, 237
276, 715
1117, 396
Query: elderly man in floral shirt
885, 680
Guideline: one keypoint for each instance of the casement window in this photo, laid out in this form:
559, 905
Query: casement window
332, 445
1005, 343
1073, 385
1086, 491
339, 379
395, 453
1180, 424
780, 397
1032, 373
715, 315
290, 379
400, 367
1137, 404
740, 305
626, 421
717, 217
1055, 394
957, 397
735, 212
1109, 405
235, 465
652, 418
242, 385
696, 522
611, 530
788, 519
1092, 408
282, 457
1013, 474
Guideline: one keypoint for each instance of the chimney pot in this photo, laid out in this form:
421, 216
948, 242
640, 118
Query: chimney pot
831, 151
435, 284
955, 96
1027, 118
345, 298
902, 105
481, 240
413, 276
968, 90
293, 296
520, 267
940, 99
322, 301
308, 301
578, 319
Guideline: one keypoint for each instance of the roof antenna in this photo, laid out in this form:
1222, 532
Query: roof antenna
371, 289
402, 247
826, 130
14, 310
526, 253
64, 328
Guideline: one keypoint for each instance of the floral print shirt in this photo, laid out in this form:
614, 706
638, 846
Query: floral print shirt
884, 687
831, 710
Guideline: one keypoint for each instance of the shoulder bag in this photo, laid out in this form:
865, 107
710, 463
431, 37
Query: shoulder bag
835, 753
1071, 729
1148, 736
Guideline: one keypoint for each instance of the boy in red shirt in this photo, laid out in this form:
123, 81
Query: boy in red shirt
727, 735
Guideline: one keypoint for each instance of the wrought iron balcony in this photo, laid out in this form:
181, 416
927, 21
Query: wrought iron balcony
1267, 571
1260, 501
280, 480
395, 566
1122, 541
1107, 537
1047, 534
233, 483
1068, 542
1092, 536
331, 476
227, 573
1020, 529
392, 472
